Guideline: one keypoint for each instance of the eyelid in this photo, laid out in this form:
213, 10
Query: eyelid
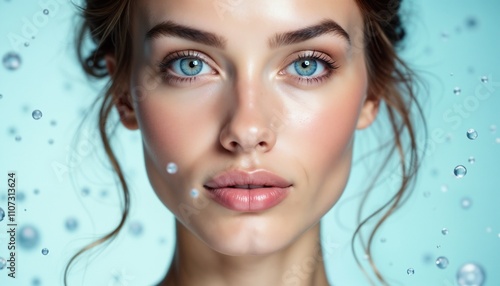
329, 63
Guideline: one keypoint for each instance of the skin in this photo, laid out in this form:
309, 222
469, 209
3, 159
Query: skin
248, 111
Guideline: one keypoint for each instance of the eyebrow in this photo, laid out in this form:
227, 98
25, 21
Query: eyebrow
169, 28
324, 27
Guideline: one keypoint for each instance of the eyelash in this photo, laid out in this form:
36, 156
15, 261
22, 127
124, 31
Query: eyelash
165, 65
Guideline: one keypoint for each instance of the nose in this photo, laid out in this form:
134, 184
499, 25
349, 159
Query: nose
249, 125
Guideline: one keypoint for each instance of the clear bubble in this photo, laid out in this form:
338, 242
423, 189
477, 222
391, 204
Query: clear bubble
3, 262
442, 262
2, 214
71, 224
410, 271
445, 231
46, 11
457, 90
460, 171
470, 274
472, 134
28, 237
172, 168
194, 193
466, 203
484, 79
11, 61
45, 251
135, 228
37, 114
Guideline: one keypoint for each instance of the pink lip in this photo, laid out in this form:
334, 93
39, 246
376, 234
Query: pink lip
267, 190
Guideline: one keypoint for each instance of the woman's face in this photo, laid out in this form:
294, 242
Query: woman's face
256, 102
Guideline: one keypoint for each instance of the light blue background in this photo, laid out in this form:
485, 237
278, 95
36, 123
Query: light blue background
446, 51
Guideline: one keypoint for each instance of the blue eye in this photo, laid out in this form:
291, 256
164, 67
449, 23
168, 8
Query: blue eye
189, 66
306, 67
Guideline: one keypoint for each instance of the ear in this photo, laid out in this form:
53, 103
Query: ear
122, 98
368, 113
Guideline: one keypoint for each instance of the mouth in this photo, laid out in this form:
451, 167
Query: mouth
248, 192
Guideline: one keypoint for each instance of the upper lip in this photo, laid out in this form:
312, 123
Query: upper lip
247, 180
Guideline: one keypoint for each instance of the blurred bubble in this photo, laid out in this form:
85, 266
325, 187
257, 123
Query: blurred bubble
11, 61
172, 168
466, 203
3, 262
51, 141
18, 138
445, 231
470, 274
2, 214
457, 90
36, 281
484, 79
36, 191
28, 237
472, 160
71, 224
442, 262
46, 11
427, 194
85, 191
472, 134
471, 22
194, 193
20, 196
489, 229
26, 44
493, 128
135, 228
53, 123
444, 188
1, 96
460, 171
410, 271
45, 251
37, 114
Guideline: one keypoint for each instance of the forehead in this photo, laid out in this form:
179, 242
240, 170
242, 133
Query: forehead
247, 18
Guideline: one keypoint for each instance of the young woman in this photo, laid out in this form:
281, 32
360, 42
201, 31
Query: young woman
248, 111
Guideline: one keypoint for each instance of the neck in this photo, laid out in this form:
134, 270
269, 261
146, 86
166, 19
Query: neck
194, 263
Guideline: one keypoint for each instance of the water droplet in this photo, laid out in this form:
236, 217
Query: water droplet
2, 214
3, 262
445, 231
11, 61
71, 224
466, 203
18, 138
28, 237
135, 228
472, 134
194, 193
45, 251
172, 168
410, 271
484, 79
457, 90
472, 160
470, 274
442, 262
46, 11
460, 171
37, 114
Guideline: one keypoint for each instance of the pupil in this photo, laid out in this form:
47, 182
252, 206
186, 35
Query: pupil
305, 64
193, 64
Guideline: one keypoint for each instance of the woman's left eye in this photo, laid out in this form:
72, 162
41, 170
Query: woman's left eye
189, 67
307, 67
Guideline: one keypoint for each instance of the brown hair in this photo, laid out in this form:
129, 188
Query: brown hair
390, 82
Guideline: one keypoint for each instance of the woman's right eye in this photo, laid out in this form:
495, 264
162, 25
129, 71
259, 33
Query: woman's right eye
190, 67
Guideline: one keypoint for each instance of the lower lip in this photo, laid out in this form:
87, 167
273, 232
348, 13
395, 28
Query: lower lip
249, 200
